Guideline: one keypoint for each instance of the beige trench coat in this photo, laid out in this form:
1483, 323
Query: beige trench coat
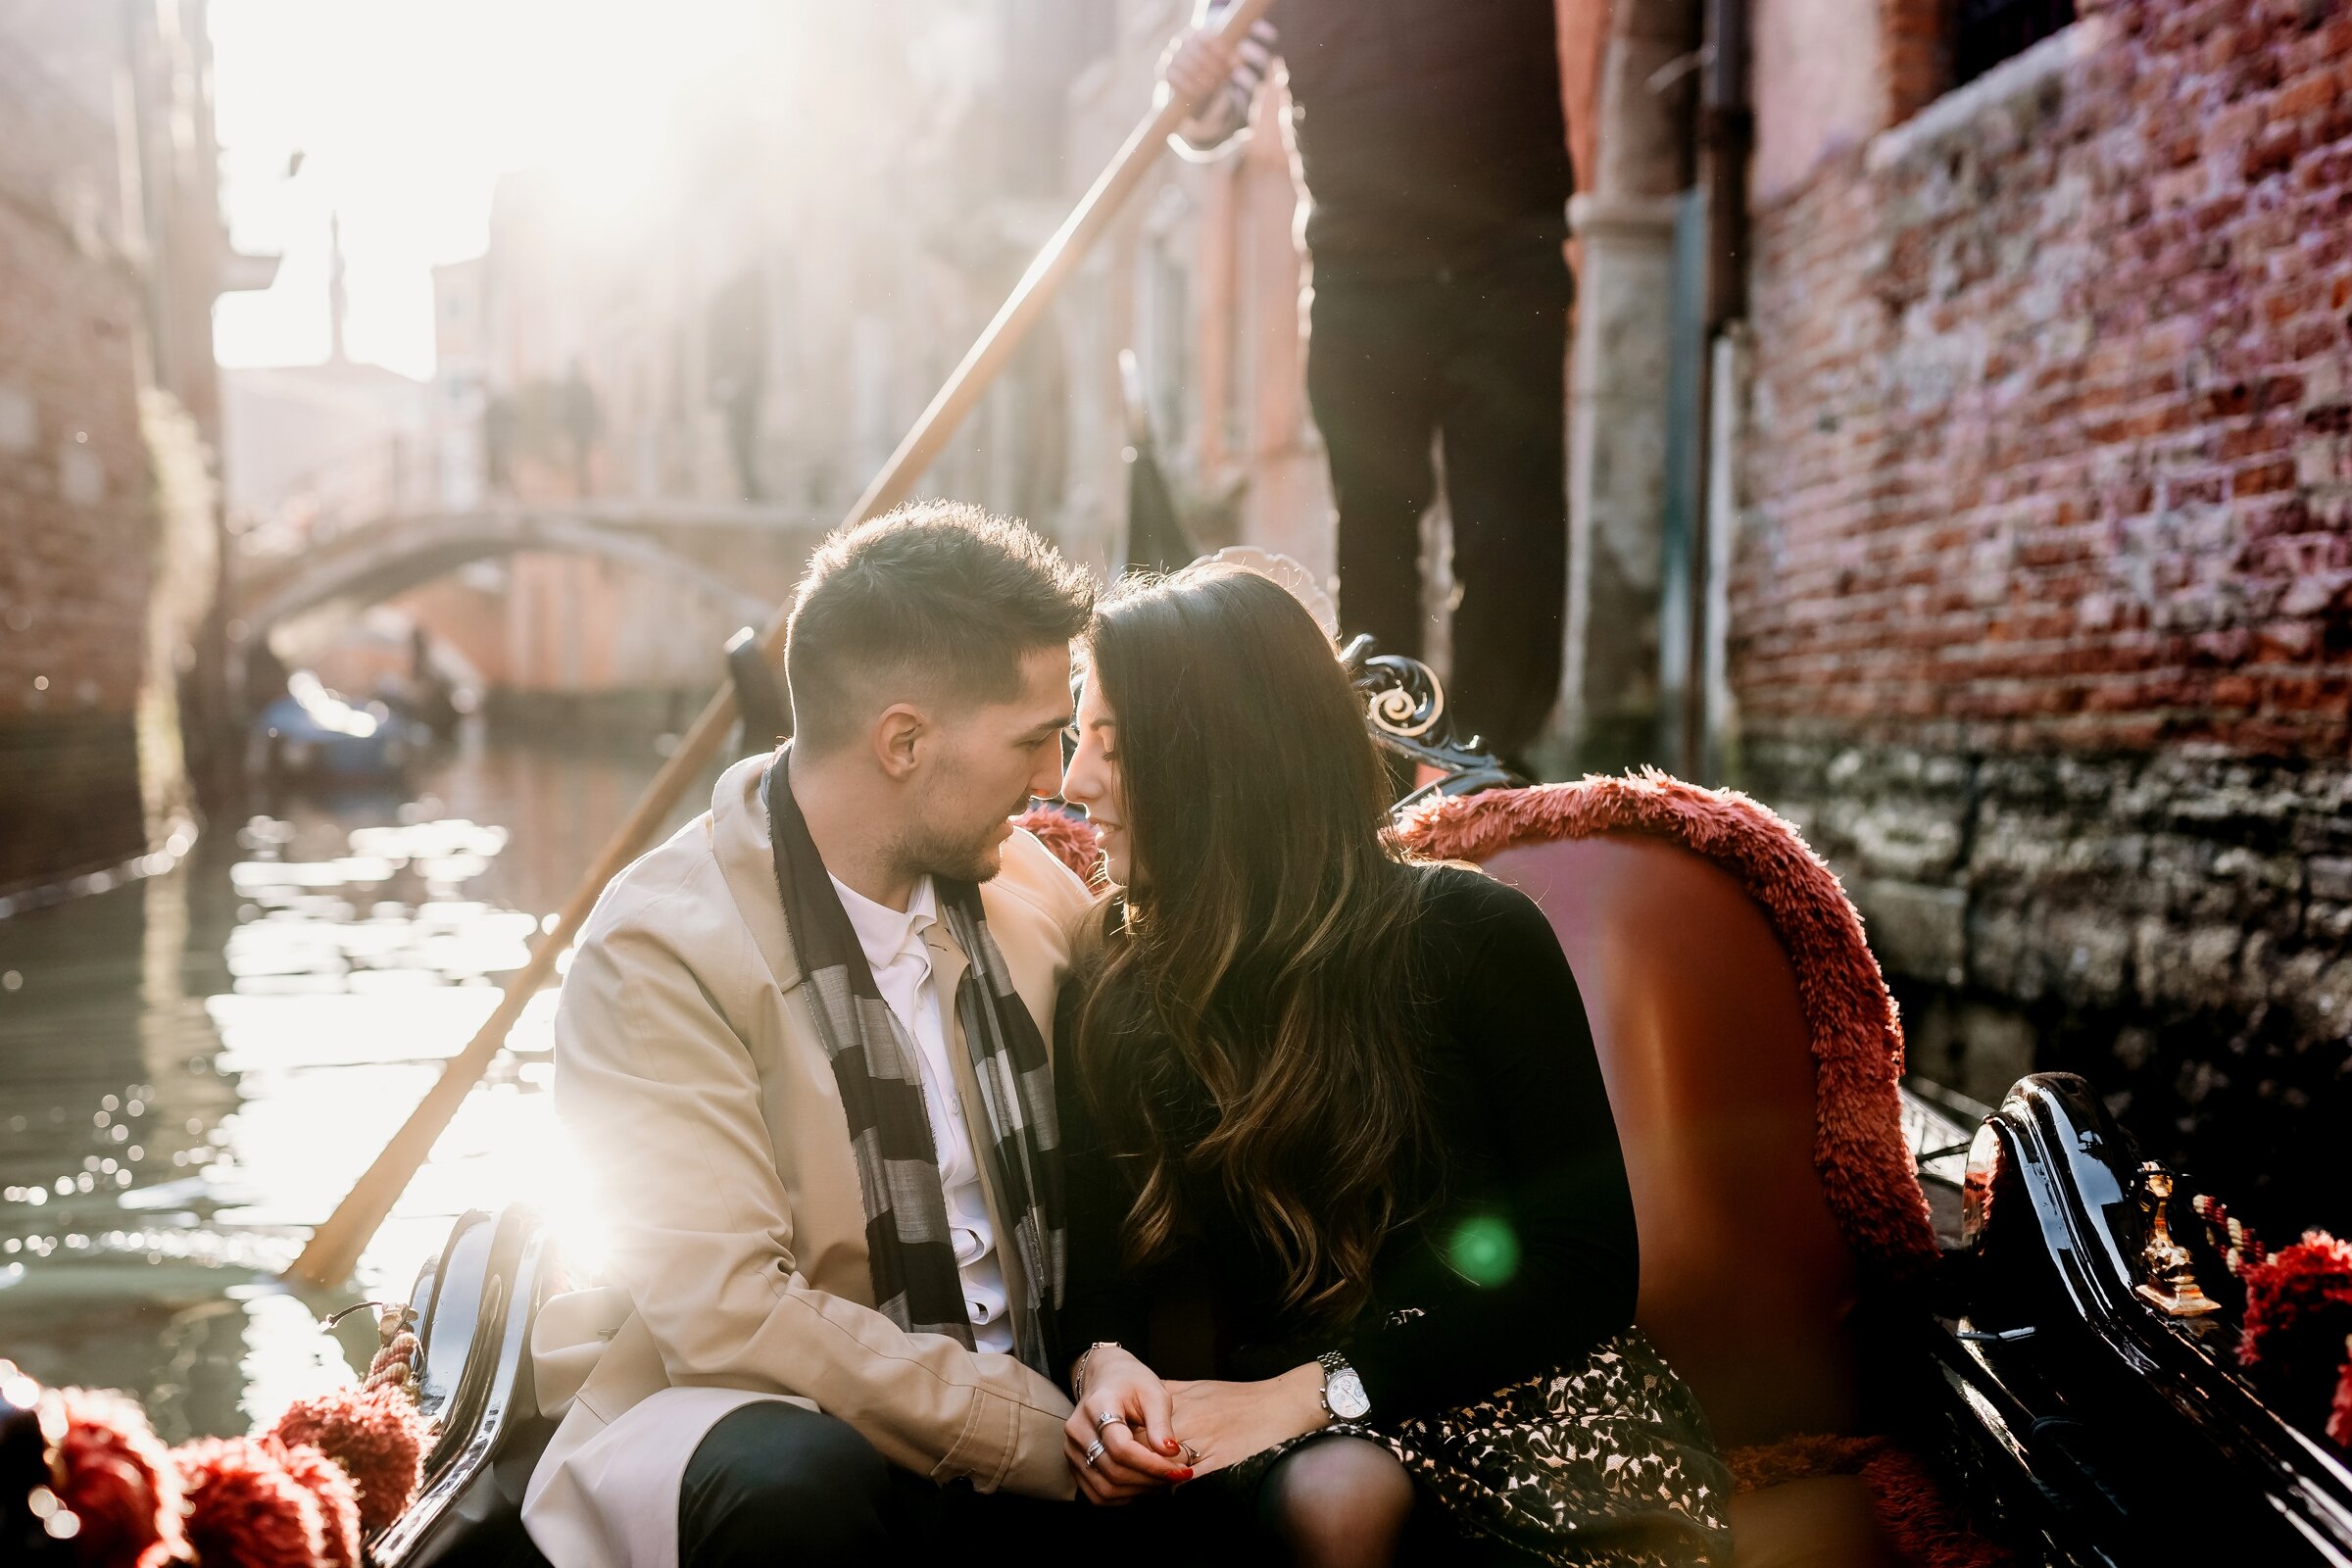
689, 1071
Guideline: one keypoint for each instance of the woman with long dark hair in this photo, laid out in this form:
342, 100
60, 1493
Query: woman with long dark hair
1353, 1259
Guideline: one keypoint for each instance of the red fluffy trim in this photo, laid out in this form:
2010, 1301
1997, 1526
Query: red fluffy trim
1799, 1458
244, 1509
118, 1481
1908, 1501
1074, 841
338, 1502
374, 1434
2298, 1313
1865, 1165
1916, 1517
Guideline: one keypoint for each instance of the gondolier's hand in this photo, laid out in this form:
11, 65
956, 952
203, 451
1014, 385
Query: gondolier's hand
1117, 1439
1196, 64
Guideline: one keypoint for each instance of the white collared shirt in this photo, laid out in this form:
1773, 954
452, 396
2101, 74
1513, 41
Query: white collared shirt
894, 949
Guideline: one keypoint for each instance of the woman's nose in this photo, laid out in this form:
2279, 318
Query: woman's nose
1078, 782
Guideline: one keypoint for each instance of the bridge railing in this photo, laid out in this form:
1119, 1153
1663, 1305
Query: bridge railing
377, 482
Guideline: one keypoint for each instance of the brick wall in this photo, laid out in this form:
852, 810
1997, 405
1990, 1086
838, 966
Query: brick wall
77, 523
2042, 606
1915, 54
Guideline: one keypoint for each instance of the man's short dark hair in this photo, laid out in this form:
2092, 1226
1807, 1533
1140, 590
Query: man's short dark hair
936, 594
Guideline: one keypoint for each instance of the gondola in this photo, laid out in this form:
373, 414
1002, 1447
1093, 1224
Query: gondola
1985, 1293
310, 734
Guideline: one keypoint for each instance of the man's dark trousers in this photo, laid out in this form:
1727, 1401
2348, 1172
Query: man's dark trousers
775, 1483
1476, 356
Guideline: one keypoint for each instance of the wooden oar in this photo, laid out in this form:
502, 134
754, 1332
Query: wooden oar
335, 1248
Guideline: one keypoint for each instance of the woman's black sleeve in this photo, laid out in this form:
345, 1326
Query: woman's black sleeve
1099, 1298
1544, 1262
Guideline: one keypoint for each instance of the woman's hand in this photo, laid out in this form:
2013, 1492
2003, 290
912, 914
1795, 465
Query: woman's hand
1225, 1423
1139, 1455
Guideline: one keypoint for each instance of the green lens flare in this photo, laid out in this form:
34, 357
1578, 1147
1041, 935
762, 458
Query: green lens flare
1485, 1250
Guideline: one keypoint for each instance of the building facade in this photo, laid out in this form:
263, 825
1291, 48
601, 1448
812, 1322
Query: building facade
2040, 599
2024, 473
112, 253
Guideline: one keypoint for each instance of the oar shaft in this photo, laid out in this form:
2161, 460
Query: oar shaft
335, 1248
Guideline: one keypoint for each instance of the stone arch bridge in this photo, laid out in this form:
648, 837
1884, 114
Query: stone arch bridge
742, 556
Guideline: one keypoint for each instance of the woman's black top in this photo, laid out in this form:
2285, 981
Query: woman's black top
1528, 1260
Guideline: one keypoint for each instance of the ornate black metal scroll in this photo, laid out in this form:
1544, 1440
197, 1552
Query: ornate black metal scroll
1405, 707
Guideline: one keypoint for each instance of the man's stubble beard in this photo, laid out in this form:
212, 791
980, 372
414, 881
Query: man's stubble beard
968, 858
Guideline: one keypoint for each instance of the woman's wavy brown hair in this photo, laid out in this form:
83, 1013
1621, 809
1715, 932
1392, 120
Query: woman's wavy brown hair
1257, 969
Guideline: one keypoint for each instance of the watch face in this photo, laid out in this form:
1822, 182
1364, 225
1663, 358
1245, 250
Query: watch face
1345, 1392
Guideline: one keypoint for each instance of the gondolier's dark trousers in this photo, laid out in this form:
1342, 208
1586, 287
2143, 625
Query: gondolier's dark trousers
1475, 357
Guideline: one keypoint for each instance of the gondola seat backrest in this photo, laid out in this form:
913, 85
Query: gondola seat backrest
1757, 1107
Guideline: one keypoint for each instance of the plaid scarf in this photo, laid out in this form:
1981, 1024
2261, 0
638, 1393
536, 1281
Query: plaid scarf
875, 1064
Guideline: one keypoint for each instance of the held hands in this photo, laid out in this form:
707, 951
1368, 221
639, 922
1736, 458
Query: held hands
1228, 1422
1125, 1409
1222, 1424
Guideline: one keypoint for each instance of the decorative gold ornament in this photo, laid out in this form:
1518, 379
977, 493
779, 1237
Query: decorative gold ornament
2168, 1279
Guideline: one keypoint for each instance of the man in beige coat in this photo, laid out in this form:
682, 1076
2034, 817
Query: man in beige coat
741, 1389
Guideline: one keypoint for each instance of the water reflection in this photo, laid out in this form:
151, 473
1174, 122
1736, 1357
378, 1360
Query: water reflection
194, 1068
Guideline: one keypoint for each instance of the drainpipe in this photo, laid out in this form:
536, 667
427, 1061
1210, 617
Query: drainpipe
1614, 710
1725, 135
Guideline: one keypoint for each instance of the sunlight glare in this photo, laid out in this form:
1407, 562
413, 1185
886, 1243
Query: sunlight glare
407, 115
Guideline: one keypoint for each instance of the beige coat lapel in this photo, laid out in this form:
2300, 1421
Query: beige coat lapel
683, 1007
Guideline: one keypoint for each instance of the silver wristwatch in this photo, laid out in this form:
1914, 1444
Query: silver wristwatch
1343, 1395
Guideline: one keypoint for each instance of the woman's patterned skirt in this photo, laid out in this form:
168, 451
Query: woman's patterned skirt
1604, 1464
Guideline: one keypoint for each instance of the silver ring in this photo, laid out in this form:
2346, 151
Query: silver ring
1094, 1451
1189, 1455
1107, 1418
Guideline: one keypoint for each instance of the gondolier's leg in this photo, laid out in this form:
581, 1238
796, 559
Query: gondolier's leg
1372, 376
1506, 488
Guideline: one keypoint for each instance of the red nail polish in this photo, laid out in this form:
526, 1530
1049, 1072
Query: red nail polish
1184, 1475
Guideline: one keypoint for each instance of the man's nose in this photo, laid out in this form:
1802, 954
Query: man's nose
1045, 781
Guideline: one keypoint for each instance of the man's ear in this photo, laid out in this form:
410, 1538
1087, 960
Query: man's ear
897, 733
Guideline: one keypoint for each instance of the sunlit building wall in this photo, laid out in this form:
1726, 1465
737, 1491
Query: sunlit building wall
110, 255
823, 228
2039, 616
1200, 278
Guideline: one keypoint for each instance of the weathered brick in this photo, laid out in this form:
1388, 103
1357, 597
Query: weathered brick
75, 514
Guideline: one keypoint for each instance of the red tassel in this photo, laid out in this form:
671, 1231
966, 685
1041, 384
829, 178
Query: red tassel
337, 1499
118, 1481
374, 1434
2298, 1313
244, 1509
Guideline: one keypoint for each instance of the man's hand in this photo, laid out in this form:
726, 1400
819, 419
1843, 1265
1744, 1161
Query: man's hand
1228, 1422
1139, 1454
1197, 63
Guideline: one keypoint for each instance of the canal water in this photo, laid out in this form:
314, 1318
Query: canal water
195, 1067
